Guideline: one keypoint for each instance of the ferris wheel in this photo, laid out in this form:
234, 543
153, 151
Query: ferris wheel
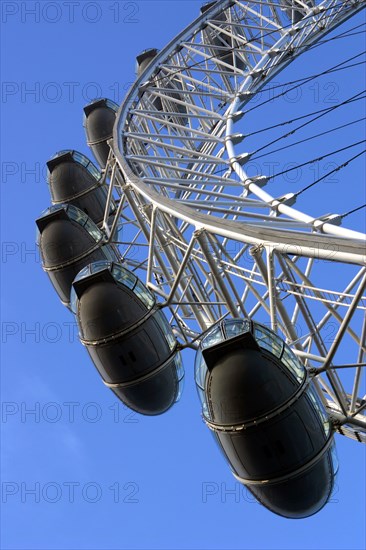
271, 296
213, 240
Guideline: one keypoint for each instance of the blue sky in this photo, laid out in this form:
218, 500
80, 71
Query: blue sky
81, 471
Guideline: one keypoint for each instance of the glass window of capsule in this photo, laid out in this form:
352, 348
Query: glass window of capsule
107, 102
334, 454
166, 328
178, 363
121, 275
318, 405
83, 160
78, 216
267, 340
112, 105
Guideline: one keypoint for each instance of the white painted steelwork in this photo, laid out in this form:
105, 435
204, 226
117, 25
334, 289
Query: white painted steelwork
212, 240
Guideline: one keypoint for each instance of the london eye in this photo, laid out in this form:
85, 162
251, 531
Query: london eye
183, 228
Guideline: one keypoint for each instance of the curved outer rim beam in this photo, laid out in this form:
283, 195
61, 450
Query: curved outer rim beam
320, 240
286, 242
345, 11
256, 237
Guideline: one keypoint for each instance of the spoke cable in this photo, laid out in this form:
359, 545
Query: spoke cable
353, 211
290, 121
308, 80
317, 159
298, 83
294, 130
329, 173
305, 78
309, 138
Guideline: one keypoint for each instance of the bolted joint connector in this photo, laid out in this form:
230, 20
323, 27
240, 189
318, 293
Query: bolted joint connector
198, 232
274, 53
245, 95
260, 181
334, 219
235, 117
289, 200
293, 31
235, 139
258, 73
144, 86
257, 250
240, 159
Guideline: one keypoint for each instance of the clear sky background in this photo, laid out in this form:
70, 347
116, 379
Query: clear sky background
81, 471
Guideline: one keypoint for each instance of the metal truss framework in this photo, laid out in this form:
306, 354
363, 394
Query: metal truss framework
212, 241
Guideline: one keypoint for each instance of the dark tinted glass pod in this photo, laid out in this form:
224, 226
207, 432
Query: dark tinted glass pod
266, 417
128, 337
99, 119
69, 240
74, 179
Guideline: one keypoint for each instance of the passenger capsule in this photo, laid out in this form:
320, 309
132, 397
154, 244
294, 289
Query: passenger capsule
74, 179
167, 82
144, 59
128, 337
69, 240
222, 45
100, 116
266, 417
